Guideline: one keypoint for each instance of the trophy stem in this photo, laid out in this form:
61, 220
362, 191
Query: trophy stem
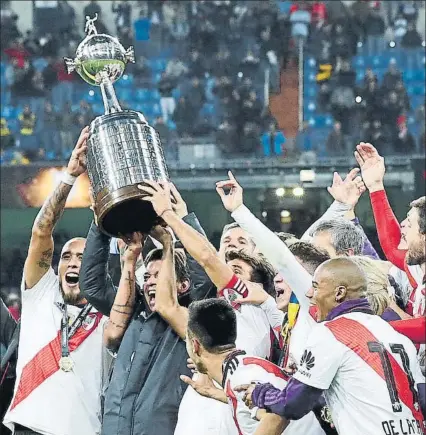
109, 98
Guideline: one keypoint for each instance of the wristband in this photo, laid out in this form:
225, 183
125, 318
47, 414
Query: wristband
68, 178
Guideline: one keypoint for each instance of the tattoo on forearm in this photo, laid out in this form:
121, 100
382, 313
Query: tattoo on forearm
45, 259
117, 325
53, 208
122, 310
126, 308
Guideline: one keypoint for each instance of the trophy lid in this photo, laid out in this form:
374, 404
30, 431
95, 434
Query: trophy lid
99, 53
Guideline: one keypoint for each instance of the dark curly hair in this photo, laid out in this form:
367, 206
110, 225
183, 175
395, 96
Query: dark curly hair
262, 271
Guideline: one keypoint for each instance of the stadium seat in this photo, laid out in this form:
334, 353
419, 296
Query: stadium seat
158, 65
310, 78
98, 109
320, 121
124, 94
40, 64
50, 155
359, 61
360, 75
6, 97
284, 7
125, 81
171, 124
93, 96
416, 90
139, 107
377, 61
156, 110
311, 106
176, 93
311, 90
154, 95
415, 75
207, 110
416, 101
8, 112
142, 94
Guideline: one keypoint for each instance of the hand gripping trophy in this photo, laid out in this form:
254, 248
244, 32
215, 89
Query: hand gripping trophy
123, 150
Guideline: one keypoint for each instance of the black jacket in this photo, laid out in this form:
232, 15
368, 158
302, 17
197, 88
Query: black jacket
145, 391
9, 335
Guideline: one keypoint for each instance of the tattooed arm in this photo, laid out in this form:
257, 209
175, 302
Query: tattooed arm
40, 252
166, 297
124, 302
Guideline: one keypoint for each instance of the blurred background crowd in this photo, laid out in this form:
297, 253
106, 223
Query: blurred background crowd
275, 81
208, 72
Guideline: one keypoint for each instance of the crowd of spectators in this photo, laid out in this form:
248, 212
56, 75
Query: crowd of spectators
212, 85
370, 109
218, 52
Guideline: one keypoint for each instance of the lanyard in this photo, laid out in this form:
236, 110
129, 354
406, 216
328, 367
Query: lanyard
68, 332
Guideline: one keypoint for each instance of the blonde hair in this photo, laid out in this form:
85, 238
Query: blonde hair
377, 284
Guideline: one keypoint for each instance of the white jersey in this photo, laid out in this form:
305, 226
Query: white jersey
369, 373
299, 336
46, 399
240, 369
418, 296
203, 416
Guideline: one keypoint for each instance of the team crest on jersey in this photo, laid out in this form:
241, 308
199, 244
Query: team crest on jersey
231, 296
308, 360
89, 321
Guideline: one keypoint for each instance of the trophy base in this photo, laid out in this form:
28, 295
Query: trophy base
124, 212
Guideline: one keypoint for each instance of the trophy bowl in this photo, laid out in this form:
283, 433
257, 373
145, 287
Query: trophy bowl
97, 53
123, 149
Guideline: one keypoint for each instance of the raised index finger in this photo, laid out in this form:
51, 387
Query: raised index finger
231, 177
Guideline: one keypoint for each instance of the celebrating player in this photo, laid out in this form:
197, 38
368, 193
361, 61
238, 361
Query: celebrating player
356, 359
59, 368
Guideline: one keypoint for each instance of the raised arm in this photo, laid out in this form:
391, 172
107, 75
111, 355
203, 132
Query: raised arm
388, 228
194, 243
40, 252
346, 194
275, 251
124, 301
95, 282
201, 285
166, 301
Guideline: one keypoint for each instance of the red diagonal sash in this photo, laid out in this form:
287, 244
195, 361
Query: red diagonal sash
231, 396
46, 362
356, 337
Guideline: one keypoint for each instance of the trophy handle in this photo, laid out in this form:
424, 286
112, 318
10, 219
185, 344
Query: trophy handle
109, 97
130, 55
70, 64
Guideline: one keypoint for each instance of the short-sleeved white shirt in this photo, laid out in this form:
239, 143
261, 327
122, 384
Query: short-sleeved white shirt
202, 415
64, 403
244, 369
365, 368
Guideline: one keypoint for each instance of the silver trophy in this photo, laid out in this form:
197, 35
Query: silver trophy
123, 150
